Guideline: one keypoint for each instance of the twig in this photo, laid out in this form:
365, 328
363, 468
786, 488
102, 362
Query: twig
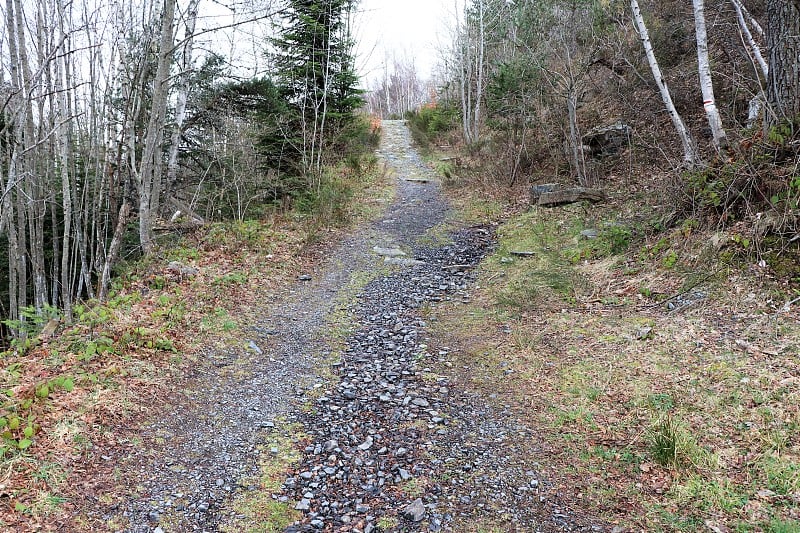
786, 307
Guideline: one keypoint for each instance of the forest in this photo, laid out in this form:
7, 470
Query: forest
121, 123
121, 116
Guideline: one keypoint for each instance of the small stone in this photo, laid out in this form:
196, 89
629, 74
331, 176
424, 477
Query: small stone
317, 524
158, 530
415, 511
255, 348
306, 475
366, 445
362, 508
304, 277
153, 516
643, 333
303, 505
405, 475
420, 402
389, 252
202, 507
401, 452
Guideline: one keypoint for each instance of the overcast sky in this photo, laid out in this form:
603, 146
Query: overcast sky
411, 28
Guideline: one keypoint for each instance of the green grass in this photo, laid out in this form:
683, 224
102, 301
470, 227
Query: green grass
256, 510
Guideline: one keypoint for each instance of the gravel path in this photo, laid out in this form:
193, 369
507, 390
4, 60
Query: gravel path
393, 444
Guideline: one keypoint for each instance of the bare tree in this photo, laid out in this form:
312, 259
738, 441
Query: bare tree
149, 174
689, 150
706, 83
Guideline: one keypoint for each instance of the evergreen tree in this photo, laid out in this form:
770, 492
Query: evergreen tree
314, 69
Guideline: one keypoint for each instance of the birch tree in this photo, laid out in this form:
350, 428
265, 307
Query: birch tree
689, 150
149, 173
182, 96
706, 83
747, 35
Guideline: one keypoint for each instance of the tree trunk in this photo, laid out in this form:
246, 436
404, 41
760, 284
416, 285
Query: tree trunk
755, 49
182, 95
479, 68
113, 251
783, 48
149, 182
689, 152
706, 83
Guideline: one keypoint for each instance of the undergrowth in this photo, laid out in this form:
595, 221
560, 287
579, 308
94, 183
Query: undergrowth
652, 417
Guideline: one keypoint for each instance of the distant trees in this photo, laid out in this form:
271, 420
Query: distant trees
513, 65
398, 90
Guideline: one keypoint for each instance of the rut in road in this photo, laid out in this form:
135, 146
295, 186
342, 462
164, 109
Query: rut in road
393, 445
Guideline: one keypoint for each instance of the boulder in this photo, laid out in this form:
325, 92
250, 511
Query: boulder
549, 195
607, 140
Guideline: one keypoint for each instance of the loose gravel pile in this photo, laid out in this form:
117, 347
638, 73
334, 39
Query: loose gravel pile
395, 447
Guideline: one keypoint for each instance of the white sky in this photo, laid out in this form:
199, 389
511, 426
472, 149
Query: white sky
415, 29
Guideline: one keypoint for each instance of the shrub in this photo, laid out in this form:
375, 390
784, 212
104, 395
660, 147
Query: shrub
430, 122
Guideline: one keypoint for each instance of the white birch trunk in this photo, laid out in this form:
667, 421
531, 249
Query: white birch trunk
689, 152
481, 44
755, 49
706, 83
182, 94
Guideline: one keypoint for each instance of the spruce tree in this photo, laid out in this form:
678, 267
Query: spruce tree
314, 69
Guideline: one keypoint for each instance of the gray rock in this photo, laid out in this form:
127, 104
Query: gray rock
184, 271
253, 346
389, 252
303, 505
607, 139
415, 511
403, 261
